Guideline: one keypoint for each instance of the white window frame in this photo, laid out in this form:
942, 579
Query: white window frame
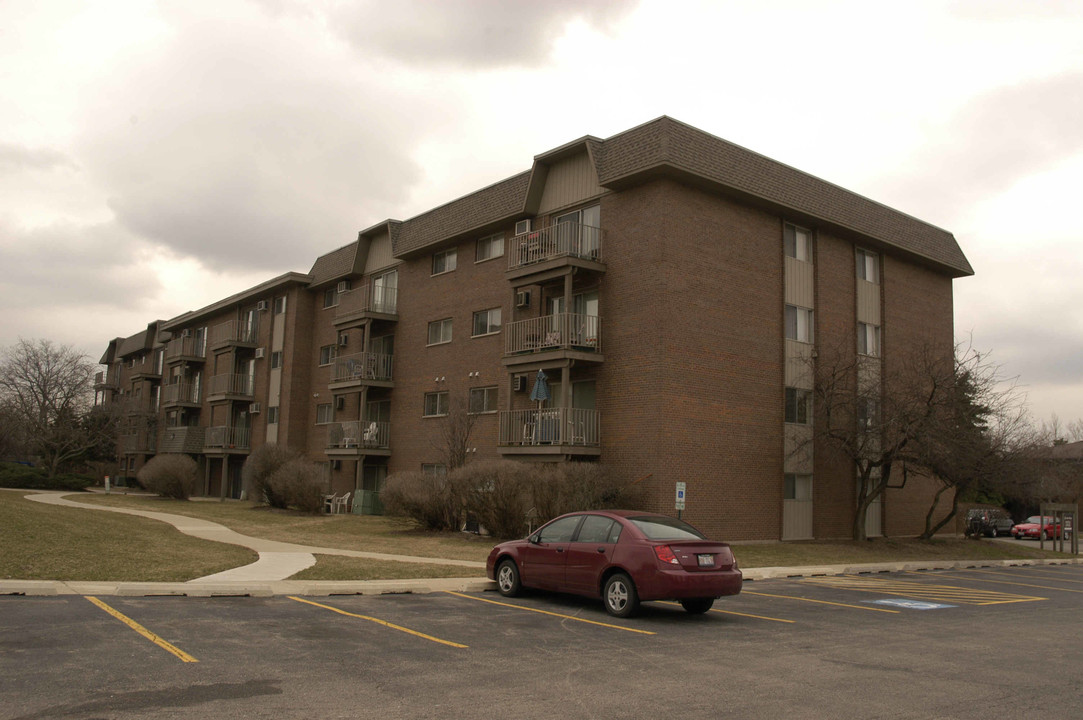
492, 319
801, 240
330, 297
493, 245
272, 415
488, 396
280, 305
797, 486
441, 400
445, 261
801, 403
868, 266
325, 414
441, 324
328, 353
802, 325
868, 339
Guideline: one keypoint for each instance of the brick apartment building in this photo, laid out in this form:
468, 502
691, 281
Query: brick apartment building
672, 286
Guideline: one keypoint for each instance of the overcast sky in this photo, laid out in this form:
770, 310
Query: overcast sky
155, 157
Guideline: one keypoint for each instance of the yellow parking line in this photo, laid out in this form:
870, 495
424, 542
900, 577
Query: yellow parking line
385, 623
920, 590
1006, 582
143, 631
1061, 577
822, 602
546, 612
731, 612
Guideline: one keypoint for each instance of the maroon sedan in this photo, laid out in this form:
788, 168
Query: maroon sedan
621, 556
1037, 527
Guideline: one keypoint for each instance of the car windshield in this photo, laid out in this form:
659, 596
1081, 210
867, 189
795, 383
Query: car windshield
660, 527
1037, 520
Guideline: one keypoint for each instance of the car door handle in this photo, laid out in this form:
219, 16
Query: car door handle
601, 549
560, 549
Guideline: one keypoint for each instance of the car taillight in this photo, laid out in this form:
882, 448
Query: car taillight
665, 554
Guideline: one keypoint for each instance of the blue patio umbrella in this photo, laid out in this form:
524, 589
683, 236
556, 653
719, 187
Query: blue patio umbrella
540, 392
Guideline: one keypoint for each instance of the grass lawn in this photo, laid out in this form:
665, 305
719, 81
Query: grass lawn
338, 567
45, 542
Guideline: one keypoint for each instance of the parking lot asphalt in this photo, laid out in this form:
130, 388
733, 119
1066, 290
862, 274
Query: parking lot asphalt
917, 644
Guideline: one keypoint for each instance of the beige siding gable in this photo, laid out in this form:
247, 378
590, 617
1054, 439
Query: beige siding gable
569, 181
379, 256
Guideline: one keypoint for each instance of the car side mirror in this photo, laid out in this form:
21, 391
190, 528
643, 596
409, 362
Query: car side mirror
534, 539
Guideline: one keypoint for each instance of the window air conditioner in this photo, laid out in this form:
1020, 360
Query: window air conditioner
262, 306
343, 339
253, 408
340, 403
259, 353
519, 383
343, 286
522, 227
522, 298
186, 332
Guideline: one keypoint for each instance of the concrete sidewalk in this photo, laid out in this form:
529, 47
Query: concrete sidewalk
278, 560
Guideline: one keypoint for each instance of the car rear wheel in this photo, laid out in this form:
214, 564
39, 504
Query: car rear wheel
697, 606
993, 532
507, 579
621, 599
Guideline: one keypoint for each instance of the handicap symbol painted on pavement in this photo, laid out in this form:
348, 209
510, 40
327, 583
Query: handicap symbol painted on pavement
911, 604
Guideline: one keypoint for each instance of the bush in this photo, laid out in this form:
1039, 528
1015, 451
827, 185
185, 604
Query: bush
432, 500
17, 475
574, 486
258, 469
169, 475
497, 495
299, 484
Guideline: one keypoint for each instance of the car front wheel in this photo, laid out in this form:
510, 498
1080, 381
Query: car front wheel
697, 606
993, 533
621, 599
507, 579
1045, 535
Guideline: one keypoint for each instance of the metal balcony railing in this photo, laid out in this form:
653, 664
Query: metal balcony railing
560, 240
232, 332
182, 392
227, 438
565, 331
231, 384
367, 298
550, 426
186, 347
362, 366
359, 434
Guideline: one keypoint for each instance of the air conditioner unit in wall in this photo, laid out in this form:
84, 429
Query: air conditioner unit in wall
522, 227
262, 306
254, 408
186, 332
259, 353
343, 286
343, 340
522, 298
340, 403
518, 383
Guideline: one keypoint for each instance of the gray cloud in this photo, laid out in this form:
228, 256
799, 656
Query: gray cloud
472, 33
991, 143
14, 158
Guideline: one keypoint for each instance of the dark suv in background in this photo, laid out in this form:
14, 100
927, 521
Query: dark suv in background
989, 522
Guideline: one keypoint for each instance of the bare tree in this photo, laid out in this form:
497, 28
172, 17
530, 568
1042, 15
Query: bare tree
49, 393
455, 430
1075, 430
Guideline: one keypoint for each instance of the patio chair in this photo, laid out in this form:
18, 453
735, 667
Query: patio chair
578, 432
371, 435
528, 433
341, 504
329, 503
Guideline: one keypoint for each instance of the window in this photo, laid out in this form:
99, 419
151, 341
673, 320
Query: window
489, 248
797, 243
559, 530
486, 322
868, 266
483, 400
436, 404
330, 297
280, 305
324, 414
276, 359
798, 406
440, 331
443, 262
598, 530
798, 324
868, 339
328, 354
272, 415
438, 469
797, 487
868, 413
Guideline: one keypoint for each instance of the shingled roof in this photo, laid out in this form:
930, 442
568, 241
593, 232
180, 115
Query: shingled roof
335, 264
667, 146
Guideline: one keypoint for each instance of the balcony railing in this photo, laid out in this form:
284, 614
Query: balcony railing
182, 392
563, 331
556, 241
186, 347
367, 299
362, 366
359, 434
234, 333
102, 381
138, 442
227, 438
230, 384
549, 426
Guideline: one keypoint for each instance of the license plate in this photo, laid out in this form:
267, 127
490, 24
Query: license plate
706, 560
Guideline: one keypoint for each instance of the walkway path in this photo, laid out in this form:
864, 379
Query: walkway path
277, 560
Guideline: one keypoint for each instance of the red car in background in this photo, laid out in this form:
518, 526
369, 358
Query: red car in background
622, 556
1037, 527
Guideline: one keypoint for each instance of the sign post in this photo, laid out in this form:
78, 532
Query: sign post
680, 498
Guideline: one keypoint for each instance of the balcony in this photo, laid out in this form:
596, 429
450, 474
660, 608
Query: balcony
147, 372
230, 386
354, 439
182, 439
367, 303
550, 431
137, 406
553, 337
185, 349
102, 382
361, 369
234, 334
182, 394
556, 248
223, 440
141, 442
